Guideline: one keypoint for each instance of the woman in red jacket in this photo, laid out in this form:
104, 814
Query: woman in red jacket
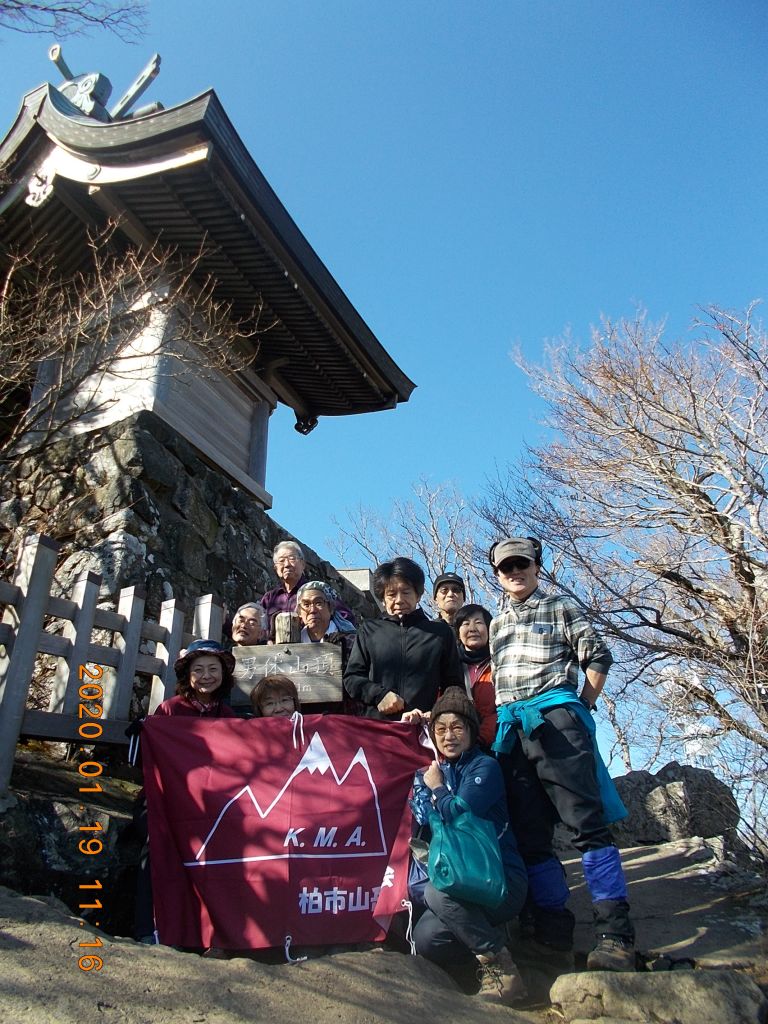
471, 625
203, 678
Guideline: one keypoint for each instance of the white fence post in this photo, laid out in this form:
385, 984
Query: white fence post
85, 594
209, 619
172, 618
36, 565
28, 601
117, 701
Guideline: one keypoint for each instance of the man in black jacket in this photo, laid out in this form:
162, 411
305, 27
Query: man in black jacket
402, 661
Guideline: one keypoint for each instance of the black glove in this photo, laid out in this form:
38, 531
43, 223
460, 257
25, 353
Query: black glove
134, 729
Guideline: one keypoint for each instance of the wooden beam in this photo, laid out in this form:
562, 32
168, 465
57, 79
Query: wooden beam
45, 725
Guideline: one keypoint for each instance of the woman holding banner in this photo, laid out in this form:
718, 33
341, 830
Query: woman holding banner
203, 678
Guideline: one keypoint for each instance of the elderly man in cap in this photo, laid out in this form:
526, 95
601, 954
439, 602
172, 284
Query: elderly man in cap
545, 745
450, 594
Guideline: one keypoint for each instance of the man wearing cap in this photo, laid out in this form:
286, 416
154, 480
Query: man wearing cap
449, 594
545, 745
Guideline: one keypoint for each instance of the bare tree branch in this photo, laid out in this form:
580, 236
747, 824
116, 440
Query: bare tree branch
126, 19
652, 499
70, 346
436, 526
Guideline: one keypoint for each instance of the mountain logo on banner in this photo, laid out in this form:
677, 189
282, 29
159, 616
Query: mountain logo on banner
316, 814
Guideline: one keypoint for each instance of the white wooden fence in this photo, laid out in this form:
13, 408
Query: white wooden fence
35, 623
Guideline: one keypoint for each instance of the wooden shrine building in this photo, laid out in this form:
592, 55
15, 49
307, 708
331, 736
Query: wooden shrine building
182, 175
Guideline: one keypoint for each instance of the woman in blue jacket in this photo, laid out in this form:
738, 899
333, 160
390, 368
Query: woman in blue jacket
452, 931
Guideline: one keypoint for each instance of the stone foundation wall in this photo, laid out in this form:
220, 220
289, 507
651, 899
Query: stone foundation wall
138, 504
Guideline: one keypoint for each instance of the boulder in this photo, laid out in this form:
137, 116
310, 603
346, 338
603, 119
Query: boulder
47, 978
41, 836
678, 802
678, 997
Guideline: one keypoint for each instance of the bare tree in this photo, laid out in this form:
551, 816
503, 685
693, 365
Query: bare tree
69, 345
436, 526
125, 18
651, 497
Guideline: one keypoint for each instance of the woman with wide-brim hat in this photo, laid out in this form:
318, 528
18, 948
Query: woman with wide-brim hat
204, 677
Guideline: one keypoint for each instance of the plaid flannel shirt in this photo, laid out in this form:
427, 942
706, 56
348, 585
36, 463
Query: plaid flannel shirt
539, 644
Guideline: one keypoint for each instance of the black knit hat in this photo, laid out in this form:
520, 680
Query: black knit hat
456, 702
449, 577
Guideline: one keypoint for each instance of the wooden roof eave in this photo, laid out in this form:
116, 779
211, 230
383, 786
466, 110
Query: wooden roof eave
168, 136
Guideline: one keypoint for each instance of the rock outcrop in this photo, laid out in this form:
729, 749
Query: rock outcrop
43, 982
680, 997
676, 803
40, 839
690, 908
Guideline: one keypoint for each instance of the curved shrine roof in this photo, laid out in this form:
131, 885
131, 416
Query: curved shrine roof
183, 175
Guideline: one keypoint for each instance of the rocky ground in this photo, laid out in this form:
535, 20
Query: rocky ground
701, 918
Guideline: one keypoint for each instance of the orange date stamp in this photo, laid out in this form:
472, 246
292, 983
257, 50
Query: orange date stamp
89, 711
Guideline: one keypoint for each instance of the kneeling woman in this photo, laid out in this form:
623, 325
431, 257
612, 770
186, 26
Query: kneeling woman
452, 931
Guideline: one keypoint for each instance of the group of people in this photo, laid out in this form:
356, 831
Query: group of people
509, 716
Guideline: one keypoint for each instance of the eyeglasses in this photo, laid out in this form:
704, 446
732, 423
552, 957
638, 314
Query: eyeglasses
515, 565
456, 728
289, 559
319, 602
242, 620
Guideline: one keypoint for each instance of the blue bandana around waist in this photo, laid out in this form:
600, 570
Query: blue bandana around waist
527, 716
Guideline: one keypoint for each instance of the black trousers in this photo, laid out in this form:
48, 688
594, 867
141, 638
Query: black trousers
451, 931
551, 775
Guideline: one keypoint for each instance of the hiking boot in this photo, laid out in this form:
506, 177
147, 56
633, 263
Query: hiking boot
612, 953
500, 980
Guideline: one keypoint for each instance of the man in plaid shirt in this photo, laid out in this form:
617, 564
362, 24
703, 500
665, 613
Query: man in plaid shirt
545, 745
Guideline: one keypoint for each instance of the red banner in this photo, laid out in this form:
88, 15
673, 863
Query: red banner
268, 828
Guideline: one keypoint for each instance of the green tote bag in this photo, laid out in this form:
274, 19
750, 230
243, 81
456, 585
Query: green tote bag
465, 859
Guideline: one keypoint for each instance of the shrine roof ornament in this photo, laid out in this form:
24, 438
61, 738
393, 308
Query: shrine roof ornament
183, 175
90, 92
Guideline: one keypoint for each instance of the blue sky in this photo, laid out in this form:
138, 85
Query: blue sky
476, 175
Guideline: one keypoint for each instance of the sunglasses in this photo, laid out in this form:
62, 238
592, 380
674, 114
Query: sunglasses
514, 565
